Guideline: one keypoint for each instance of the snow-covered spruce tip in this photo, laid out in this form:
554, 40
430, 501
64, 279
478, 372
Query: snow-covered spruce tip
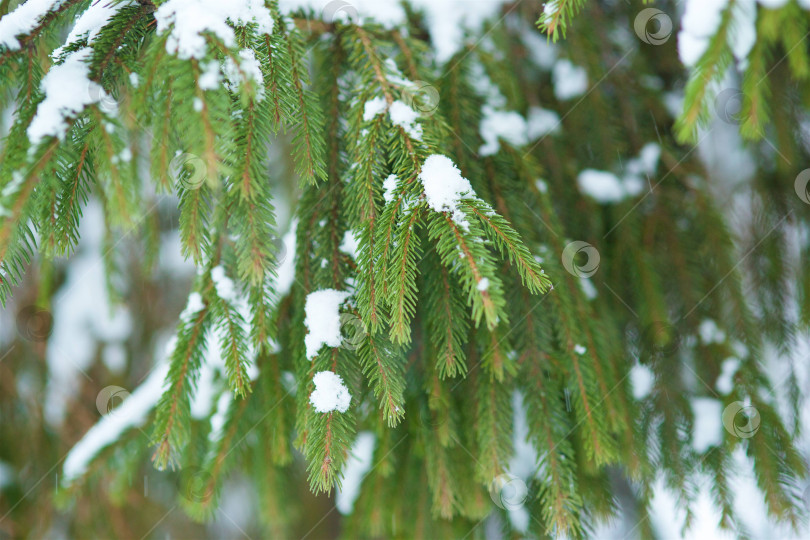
445, 187
330, 393
23, 20
189, 20
67, 90
400, 113
322, 319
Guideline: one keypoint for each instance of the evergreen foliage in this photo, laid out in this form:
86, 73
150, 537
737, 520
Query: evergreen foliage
460, 320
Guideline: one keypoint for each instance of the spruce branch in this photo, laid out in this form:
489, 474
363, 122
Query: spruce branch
456, 358
170, 430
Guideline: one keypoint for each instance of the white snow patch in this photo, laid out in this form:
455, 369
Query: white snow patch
588, 288
373, 107
7, 475
541, 51
542, 122
23, 20
483, 284
639, 169
322, 310
17, 179
389, 185
541, 185
647, 161
248, 69
187, 20
523, 463
349, 245
405, 117
330, 393
643, 380
210, 77
131, 413
607, 188
725, 381
170, 256
82, 317
669, 517
446, 20
444, 186
486, 88
90, 23
602, 186
114, 357
708, 426
203, 396
701, 20
743, 33
633, 185
220, 416
356, 467
223, 284
68, 90
739, 349
193, 306
399, 112
286, 269
710, 333
507, 125
570, 80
